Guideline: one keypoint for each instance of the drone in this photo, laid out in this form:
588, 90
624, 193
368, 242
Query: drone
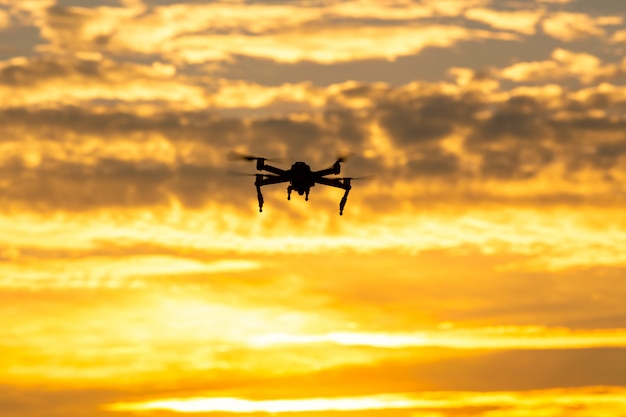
300, 177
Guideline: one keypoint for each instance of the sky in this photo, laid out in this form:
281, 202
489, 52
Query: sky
480, 271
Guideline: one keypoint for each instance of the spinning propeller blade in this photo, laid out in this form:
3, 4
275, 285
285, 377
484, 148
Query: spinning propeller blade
237, 156
364, 178
234, 156
344, 157
246, 174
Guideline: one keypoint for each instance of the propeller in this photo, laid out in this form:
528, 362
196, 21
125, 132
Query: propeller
344, 157
246, 174
363, 178
237, 156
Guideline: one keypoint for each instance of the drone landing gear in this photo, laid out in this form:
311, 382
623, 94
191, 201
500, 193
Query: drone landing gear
342, 204
290, 189
258, 193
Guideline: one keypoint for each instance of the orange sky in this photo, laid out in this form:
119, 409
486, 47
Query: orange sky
479, 274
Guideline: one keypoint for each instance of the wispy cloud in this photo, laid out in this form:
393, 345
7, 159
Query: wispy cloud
489, 338
563, 65
518, 21
568, 26
549, 402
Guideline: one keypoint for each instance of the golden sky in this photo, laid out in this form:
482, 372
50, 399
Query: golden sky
481, 273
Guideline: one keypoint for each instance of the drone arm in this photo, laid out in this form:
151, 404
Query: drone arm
269, 180
272, 169
334, 182
335, 169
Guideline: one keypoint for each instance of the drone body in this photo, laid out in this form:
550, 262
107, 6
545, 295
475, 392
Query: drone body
300, 178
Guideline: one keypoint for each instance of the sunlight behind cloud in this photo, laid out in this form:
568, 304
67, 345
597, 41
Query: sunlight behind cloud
547, 402
557, 238
506, 337
109, 272
236, 405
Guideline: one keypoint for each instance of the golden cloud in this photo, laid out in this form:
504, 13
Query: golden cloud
321, 45
518, 21
287, 34
54, 82
568, 26
506, 145
564, 64
5, 20
619, 37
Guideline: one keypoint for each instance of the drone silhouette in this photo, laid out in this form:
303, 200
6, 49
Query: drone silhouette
300, 177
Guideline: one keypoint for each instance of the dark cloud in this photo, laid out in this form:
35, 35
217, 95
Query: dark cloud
521, 117
346, 126
117, 183
496, 371
64, 26
416, 119
514, 140
40, 69
433, 162
556, 371
466, 289
304, 136
54, 402
417, 371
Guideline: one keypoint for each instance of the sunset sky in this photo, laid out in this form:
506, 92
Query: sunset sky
480, 273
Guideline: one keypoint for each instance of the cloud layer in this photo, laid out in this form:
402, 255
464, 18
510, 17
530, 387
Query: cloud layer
478, 273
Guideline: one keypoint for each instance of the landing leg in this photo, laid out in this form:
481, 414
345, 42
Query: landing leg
342, 204
289, 190
306, 195
260, 197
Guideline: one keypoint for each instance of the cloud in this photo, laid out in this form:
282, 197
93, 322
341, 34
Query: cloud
503, 144
134, 263
112, 272
506, 337
95, 81
285, 34
29, 401
563, 65
5, 20
619, 36
503, 403
54, 82
553, 262
568, 27
324, 45
518, 21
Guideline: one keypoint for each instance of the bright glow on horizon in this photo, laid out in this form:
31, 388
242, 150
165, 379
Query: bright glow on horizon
607, 399
506, 337
237, 405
